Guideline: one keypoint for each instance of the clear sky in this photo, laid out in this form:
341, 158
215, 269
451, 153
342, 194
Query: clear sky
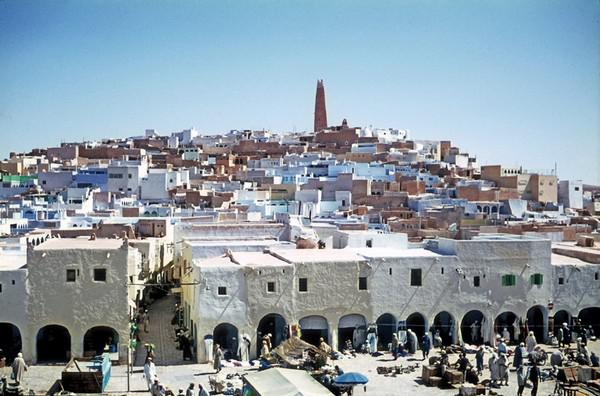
515, 82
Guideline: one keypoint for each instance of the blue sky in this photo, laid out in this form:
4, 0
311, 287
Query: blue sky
515, 82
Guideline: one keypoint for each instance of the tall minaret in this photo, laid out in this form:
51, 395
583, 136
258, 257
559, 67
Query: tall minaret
320, 111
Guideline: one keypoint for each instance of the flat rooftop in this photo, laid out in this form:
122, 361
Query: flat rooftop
80, 243
10, 262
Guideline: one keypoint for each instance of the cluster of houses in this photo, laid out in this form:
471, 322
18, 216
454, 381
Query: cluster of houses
330, 232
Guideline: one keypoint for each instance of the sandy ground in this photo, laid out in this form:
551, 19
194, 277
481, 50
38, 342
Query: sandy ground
40, 378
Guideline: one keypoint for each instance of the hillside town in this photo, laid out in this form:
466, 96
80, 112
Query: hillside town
214, 250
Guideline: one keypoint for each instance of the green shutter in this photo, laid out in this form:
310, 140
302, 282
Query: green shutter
537, 279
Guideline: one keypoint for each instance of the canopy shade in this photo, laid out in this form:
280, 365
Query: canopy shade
351, 379
285, 382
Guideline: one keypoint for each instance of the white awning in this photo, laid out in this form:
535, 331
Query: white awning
313, 323
353, 320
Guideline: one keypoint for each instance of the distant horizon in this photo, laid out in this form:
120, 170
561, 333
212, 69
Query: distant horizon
512, 83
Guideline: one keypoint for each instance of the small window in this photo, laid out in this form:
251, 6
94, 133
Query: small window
0, 287
222, 291
44, 182
576, 188
476, 281
130, 175
390, 271
71, 275
362, 283
442, 270
370, 243
595, 277
415, 277
537, 279
509, 280
271, 287
561, 281
303, 284
13, 281
100, 274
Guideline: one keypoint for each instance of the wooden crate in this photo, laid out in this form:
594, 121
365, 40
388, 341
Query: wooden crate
434, 381
430, 371
454, 376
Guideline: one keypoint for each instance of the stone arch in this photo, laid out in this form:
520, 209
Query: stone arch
472, 327
226, 335
560, 317
444, 323
352, 327
98, 338
417, 323
536, 322
387, 325
506, 320
53, 344
590, 317
313, 327
273, 324
10, 341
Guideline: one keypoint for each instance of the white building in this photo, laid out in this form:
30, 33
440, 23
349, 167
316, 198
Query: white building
467, 290
570, 193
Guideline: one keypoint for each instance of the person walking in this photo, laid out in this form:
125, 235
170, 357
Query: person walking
149, 372
503, 369
146, 320
518, 358
426, 346
18, 368
395, 344
493, 365
534, 377
217, 357
479, 356
190, 390
530, 342
202, 390
522, 372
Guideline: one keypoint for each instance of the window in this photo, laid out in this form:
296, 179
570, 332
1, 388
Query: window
129, 175
362, 283
476, 281
415, 277
595, 277
561, 281
303, 284
576, 188
71, 275
509, 280
537, 279
271, 287
0, 287
13, 281
115, 176
442, 270
222, 291
44, 182
370, 243
100, 274
390, 271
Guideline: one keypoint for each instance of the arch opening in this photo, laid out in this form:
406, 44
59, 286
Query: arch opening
416, 323
273, 324
535, 323
226, 335
352, 329
561, 317
314, 327
10, 341
100, 339
387, 326
53, 344
472, 327
445, 324
590, 317
509, 321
